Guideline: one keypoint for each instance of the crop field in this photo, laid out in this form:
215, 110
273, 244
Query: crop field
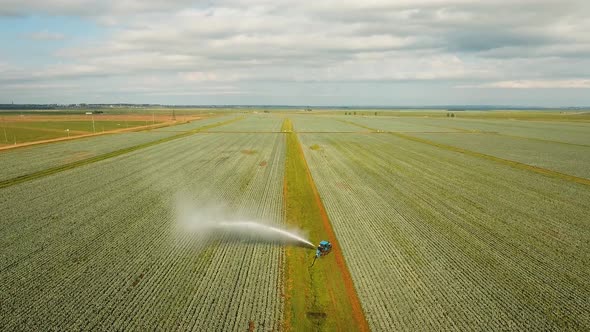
23, 161
564, 132
310, 123
398, 124
254, 123
565, 158
436, 240
556, 131
478, 222
101, 254
14, 132
196, 124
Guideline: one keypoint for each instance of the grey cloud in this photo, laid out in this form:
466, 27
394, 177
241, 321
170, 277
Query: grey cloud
87, 8
468, 43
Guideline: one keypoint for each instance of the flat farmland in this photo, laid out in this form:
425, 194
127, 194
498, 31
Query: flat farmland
397, 124
16, 129
95, 247
311, 123
255, 123
28, 160
561, 157
478, 222
195, 124
438, 240
577, 133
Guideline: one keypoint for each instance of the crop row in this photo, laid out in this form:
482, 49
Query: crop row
254, 123
27, 160
398, 124
564, 158
195, 124
566, 132
96, 247
438, 240
311, 123
560, 132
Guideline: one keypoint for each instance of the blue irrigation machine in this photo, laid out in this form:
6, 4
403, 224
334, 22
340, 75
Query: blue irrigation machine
322, 250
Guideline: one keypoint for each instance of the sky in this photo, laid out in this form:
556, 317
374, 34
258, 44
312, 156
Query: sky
274, 52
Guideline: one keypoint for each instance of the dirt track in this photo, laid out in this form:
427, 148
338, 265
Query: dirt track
359, 315
98, 117
322, 298
139, 128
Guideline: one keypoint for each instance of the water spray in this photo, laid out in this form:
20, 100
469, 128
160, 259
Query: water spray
249, 231
212, 225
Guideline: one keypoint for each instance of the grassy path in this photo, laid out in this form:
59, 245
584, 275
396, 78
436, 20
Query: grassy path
322, 297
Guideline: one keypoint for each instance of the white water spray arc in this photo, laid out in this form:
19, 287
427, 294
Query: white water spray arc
212, 224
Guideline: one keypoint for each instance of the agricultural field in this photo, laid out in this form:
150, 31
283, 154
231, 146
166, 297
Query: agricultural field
557, 131
311, 123
438, 240
574, 132
15, 130
27, 160
477, 222
254, 123
565, 158
101, 252
195, 124
397, 124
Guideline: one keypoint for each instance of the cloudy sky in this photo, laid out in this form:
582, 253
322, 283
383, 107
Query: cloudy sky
331, 52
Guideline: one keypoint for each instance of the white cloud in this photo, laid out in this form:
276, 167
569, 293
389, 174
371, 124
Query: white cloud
534, 84
460, 43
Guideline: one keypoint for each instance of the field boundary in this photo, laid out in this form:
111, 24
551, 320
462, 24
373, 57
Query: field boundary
322, 297
109, 132
508, 162
53, 170
511, 163
540, 139
359, 314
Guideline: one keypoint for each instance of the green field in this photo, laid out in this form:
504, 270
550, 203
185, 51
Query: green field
476, 222
15, 132
24, 161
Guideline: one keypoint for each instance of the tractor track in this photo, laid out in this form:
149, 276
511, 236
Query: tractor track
357, 309
309, 303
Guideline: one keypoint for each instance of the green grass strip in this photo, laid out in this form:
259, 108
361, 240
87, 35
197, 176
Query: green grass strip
322, 297
57, 169
287, 126
511, 163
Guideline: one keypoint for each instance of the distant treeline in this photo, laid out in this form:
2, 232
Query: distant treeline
70, 106
27, 107
454, 108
